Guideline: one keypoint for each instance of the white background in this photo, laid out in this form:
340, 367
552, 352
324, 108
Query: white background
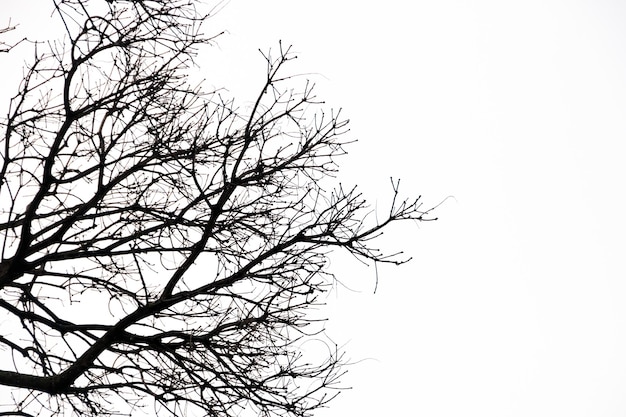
514, 302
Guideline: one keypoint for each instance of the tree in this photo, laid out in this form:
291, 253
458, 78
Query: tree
160, 242
7, 46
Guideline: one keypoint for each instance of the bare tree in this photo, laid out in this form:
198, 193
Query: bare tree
7, 46
159, 242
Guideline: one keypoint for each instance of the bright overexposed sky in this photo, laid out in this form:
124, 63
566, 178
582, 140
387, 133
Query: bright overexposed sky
513, 113
514, 303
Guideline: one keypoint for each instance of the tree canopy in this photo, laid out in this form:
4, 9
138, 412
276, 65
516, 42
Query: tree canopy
160, 242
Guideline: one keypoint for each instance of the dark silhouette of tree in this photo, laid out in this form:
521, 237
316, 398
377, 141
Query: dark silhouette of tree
7, 46
159, 242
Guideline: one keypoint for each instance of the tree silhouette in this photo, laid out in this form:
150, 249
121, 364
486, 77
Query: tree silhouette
7, 46
159, 242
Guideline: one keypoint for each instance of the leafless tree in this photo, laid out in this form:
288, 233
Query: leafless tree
159, 242
7, 46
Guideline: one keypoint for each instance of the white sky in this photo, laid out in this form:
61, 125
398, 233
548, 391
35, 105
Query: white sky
514, 302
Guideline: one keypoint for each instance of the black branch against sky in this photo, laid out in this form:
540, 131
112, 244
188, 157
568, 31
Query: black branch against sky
157, 240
